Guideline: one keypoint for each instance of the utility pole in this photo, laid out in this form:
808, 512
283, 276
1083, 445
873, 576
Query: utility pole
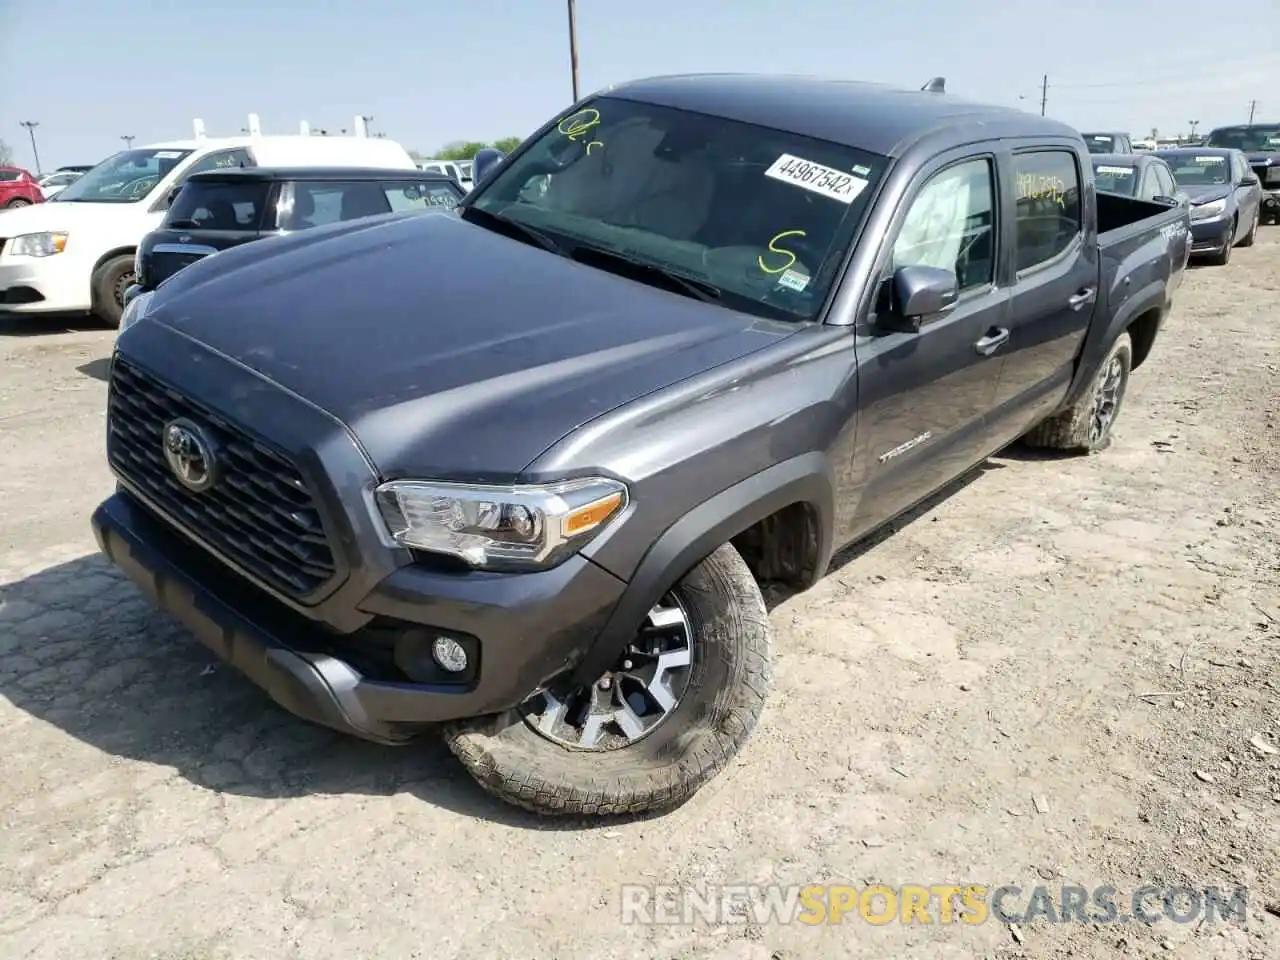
128, 139
1253, 105
573, 49
1044, 94
31, 129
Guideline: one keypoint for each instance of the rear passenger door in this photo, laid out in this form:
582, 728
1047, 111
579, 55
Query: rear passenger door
1055, 282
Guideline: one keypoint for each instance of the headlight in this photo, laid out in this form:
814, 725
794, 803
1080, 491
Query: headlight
136, 309
499, 526
1204, 211
37, 244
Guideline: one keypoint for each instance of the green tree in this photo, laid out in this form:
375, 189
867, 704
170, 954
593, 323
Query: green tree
460, 150
507, 144
6, 154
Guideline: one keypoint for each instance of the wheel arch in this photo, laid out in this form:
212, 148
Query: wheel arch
781, 520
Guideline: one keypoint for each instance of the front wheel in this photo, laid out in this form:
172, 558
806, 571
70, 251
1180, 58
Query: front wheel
1086, 426
17, 202
676, 707
109, 283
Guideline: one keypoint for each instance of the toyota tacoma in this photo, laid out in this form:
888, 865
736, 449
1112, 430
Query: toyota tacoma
519, 470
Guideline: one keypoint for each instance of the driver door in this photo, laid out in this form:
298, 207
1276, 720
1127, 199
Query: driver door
923, 397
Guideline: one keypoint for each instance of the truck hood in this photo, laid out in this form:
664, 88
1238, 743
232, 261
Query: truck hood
1207, 193
449, 351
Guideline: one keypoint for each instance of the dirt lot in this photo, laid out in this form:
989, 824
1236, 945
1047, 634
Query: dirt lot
1051, 676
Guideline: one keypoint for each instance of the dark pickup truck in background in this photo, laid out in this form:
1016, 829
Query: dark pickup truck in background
524, 466
1260, 143
221, 209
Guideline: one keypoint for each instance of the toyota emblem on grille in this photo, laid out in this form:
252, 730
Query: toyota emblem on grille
190, 455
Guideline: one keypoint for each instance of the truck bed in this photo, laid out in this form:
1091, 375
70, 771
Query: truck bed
1121, 218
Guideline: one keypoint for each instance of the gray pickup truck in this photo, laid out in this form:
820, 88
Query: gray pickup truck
520, 469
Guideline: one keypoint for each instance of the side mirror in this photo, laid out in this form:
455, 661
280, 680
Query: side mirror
484, 162
1249, 180
920, 293
1167, 201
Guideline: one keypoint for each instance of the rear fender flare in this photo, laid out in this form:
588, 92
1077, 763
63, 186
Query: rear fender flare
803, 479
1152, 296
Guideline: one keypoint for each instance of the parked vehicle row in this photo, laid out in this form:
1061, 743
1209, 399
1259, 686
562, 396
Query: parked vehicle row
528, 463
76, 254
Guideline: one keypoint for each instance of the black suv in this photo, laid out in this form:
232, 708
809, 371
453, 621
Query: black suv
219, 209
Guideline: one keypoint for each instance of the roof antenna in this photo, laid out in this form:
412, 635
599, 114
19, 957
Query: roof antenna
936, 85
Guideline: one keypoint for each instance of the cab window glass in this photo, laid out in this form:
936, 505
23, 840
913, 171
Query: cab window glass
950, 225
1049, 213
318, 204
222, 160
219, 205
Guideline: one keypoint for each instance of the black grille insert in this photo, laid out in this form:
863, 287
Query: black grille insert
162, 266
260, 514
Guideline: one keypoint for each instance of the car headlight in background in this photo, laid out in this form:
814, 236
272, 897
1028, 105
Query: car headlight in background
512, 527
135, 310
1204, 211
37, 244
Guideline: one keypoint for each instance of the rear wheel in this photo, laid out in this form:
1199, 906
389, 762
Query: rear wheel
1086, 426
675, 708
109, 283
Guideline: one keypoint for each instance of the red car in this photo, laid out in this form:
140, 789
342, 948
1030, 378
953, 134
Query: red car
18, 188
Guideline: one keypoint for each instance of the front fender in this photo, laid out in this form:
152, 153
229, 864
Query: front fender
804, 479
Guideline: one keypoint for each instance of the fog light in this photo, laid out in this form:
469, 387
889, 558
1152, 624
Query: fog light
449, 654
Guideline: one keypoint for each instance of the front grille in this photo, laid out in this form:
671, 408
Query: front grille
162, 266
260, 514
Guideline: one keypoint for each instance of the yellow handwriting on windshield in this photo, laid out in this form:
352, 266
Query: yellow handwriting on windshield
593, 143
576, 125
782, 250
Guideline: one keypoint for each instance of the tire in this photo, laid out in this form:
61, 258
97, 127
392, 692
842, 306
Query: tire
1076, 430
716, 712
1222, 258
109, 283
17, 202
1248, 238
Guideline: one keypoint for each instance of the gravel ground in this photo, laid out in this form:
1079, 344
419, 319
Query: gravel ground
1050, 676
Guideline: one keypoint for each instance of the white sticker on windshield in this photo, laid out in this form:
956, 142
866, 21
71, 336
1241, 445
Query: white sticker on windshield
1114, 171
816, 178
1102, 139
1210, 160
168, 154
793, 280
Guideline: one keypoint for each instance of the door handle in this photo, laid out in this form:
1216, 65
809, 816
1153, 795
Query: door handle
1081, 298
992, 342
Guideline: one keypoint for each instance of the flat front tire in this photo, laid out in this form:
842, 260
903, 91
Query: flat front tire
1086, 426
676, 708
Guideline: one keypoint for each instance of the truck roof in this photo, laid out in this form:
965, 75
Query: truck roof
321, 173
871, 116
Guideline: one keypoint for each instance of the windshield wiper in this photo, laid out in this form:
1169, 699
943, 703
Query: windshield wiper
647, 272
515, 229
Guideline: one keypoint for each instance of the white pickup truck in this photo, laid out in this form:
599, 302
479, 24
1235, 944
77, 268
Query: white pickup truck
75, 256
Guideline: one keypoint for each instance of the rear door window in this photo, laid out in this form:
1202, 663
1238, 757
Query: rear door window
219, 205
1049, 213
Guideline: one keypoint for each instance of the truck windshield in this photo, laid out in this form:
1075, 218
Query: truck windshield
1100, 142
1260, 138
1114, 178
126, 177
219, 205
1200, 171
759, 217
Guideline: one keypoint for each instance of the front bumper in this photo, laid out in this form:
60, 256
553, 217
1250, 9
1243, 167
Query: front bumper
522, 629
1210, 236
57, 284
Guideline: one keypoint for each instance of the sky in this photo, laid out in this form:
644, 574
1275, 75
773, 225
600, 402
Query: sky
430, 72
